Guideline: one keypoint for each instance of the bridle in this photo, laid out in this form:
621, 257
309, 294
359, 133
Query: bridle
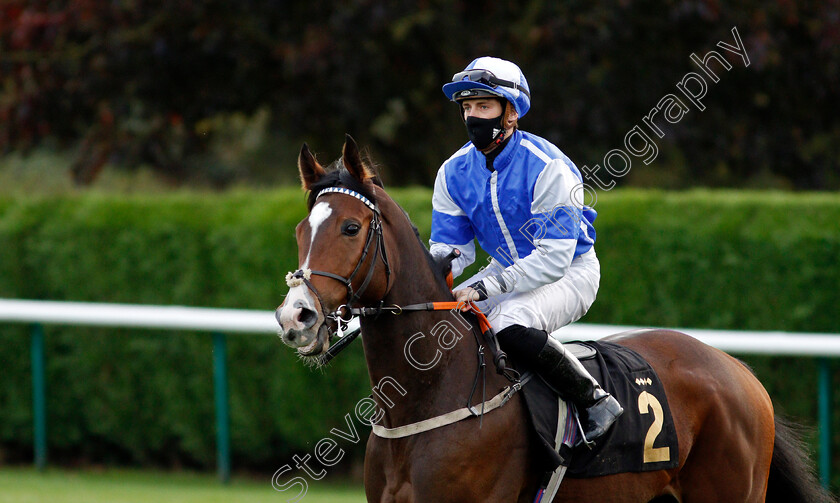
344, 313
374, 238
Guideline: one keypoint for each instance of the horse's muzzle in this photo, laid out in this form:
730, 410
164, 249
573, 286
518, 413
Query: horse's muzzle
308, 342
299, 327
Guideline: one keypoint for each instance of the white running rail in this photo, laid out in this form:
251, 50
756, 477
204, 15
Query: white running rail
254, 321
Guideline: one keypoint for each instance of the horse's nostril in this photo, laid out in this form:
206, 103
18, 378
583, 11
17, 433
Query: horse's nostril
307, 317
290, 336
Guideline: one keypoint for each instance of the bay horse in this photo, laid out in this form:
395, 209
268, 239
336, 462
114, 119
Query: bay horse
357, 249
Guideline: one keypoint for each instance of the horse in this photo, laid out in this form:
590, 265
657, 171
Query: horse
359, 253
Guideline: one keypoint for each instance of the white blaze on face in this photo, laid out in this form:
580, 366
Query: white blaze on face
299, 296
320, 212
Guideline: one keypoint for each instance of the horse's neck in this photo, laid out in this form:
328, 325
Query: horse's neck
421, 364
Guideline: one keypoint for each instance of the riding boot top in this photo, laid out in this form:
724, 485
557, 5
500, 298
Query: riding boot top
598, 409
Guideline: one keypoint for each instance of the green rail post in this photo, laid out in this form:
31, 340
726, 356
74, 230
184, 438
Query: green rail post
222, 407
39, 397
825, 399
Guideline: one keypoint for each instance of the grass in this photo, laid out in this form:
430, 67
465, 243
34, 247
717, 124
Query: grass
22, 485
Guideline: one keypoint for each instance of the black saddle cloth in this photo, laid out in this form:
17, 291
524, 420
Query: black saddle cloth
644, 437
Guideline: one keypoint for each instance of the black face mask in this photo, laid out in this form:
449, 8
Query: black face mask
483, 132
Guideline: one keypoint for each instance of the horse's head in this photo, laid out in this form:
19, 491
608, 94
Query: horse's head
341, 251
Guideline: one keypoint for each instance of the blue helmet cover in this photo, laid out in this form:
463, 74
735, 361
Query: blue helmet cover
502, 69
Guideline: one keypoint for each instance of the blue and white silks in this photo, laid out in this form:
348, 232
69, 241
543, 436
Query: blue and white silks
528, 213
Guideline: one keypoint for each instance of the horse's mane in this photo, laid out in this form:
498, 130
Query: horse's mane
439, 268
338, 176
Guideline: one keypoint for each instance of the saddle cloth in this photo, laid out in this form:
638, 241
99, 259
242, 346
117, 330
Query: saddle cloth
644, 437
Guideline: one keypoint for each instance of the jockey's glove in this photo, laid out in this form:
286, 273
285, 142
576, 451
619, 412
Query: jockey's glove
489, 287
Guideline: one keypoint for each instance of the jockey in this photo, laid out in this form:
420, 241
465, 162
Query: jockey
521, 198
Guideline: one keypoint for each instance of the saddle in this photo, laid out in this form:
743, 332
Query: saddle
644, 437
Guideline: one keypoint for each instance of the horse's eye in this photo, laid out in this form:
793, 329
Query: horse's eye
350, 228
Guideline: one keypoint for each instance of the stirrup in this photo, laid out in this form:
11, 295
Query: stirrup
582, 438
609, 409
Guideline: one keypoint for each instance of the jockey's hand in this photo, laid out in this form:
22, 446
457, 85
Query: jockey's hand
472, 293
464, 296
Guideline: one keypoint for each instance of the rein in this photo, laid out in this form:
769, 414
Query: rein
344, 314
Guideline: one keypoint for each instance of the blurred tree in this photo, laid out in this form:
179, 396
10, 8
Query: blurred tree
147, 81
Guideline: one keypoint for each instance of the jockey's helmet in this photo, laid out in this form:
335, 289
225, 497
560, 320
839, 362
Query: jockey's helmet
487, 76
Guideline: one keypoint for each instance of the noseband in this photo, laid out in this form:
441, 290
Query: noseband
302, 276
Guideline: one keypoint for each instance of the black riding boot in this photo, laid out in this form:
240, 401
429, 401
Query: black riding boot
598, 409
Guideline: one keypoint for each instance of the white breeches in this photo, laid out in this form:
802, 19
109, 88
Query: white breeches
548, 307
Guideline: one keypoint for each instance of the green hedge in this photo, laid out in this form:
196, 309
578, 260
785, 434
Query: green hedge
759, 261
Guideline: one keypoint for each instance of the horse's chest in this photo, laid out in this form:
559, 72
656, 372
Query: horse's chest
403, 493
406, 471
459, 463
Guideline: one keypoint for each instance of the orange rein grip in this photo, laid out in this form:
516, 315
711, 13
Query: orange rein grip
447, 306
483, 322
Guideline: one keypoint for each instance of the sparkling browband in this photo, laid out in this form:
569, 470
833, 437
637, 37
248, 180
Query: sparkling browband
342, 190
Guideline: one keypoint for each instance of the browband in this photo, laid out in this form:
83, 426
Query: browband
342, 190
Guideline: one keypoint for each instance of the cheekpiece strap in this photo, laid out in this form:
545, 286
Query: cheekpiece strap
342, 190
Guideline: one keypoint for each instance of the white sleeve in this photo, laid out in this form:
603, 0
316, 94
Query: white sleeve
440, 250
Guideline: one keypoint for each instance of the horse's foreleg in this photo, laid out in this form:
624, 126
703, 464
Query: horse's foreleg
376, 478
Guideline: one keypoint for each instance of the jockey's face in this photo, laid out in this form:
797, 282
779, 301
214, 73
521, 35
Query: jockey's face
483, 108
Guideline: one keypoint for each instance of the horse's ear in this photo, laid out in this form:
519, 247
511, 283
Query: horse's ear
310, 170
353, 160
